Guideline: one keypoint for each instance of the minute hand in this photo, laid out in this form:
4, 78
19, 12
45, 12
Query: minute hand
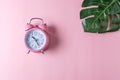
36, 40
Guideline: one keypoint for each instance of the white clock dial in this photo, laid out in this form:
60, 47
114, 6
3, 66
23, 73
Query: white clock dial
35, 39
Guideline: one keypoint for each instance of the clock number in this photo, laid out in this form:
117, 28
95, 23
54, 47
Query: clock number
35, 33
41, 43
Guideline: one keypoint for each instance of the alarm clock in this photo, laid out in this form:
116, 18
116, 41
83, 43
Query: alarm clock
36, 37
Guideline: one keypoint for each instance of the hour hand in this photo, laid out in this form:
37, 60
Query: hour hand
34, 38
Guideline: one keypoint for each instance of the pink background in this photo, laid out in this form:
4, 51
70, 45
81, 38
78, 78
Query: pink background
73, 54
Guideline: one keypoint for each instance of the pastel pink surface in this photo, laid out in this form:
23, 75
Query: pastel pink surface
72, 54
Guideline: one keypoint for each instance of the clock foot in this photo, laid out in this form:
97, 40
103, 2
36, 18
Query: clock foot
28, 52
42, 52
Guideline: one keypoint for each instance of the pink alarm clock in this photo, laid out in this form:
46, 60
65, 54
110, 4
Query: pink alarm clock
36, 37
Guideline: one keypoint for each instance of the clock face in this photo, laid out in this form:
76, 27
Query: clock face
35, 39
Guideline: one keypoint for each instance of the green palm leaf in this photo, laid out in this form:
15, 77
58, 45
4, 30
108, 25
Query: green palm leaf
105, 17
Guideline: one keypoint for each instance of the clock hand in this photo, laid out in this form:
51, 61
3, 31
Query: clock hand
36, 40
37, 43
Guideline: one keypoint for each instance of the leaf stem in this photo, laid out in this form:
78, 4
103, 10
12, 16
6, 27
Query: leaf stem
104, 10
